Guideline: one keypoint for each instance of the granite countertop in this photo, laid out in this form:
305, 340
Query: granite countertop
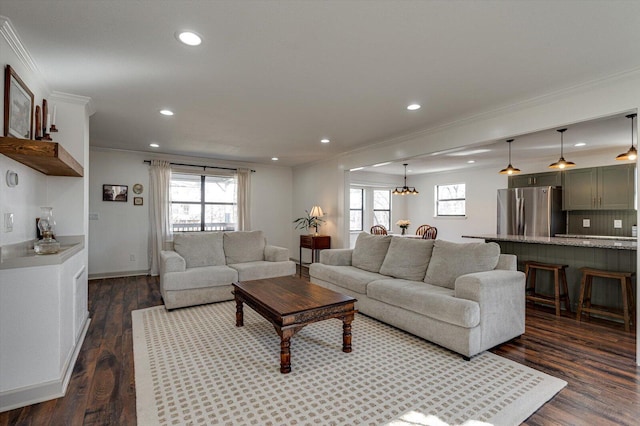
573, 241
22, 255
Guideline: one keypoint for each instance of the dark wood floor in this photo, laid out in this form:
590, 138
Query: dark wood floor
597, 360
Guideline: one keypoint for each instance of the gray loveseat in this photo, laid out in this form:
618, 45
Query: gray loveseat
202, 266
465, 297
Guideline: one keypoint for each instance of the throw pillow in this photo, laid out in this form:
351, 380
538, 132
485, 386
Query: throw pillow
244, 246
407, 258
200, 248
451, 260
369, 252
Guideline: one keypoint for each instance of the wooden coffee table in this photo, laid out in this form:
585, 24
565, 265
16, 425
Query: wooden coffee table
289, 304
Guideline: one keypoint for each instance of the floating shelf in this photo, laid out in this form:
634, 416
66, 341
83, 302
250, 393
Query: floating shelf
49, 158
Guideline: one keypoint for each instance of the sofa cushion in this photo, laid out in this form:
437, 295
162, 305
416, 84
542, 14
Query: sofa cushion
349, 277
407, 258
261, 269
451, 260
369, 252
244, 246
203, 277
200, 248
426, 299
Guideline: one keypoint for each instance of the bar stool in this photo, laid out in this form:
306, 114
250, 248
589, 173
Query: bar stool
559, 278
628, 312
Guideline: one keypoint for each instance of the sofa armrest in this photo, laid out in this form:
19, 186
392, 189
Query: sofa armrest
336, 257
507, 262
501, 296
275, 254
171, 261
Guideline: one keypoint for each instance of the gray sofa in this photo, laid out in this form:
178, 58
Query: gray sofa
465, 297
202, 266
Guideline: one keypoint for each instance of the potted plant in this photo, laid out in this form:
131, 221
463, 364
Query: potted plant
308, 221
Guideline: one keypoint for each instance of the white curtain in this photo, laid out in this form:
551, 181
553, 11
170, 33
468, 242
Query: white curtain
244, 205
160, 212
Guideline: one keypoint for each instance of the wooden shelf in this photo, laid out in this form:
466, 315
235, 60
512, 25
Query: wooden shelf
49, 158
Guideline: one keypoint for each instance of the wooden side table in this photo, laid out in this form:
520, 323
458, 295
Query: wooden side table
315, 243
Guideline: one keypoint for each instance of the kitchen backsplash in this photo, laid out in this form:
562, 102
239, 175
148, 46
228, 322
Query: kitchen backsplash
601, 222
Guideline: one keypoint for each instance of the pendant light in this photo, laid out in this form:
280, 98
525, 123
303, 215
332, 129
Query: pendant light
632, 154
405, 190
562, 163
509, 170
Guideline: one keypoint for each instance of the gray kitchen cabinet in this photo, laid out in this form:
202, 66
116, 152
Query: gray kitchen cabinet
536, 179
600, 188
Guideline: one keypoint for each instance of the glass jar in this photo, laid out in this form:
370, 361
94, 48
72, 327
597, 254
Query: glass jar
47, 225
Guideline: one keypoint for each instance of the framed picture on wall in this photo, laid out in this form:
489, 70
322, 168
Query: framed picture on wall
138, 201
18, 106
115, 193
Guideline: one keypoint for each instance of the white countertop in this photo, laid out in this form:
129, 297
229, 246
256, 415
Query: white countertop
573, 241
22, 255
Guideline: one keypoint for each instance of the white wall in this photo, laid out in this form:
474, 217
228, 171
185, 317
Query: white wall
122, 229
481, 187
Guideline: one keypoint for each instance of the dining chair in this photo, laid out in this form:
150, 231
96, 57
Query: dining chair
378, 230
427, 232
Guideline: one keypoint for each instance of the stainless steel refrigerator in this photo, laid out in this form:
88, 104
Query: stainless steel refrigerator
533, 212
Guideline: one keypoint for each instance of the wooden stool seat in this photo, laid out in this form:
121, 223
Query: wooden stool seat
628, 311
559, 279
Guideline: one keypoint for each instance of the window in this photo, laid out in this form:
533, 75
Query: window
203, 203
451, 199
356, 206
382, 208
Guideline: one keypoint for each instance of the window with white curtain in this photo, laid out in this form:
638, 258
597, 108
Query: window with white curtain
203, 203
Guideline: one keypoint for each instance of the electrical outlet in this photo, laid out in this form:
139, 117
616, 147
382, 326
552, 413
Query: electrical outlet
132, 257
617, 223
586, 223
8, 222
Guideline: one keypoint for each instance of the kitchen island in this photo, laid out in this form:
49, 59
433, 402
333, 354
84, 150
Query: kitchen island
576, 252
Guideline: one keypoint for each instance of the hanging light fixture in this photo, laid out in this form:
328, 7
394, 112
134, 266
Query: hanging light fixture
509, 170
632, 154
405, 190
562, 163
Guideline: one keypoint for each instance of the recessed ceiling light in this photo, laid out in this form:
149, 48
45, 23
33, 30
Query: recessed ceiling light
413, 107
189, 38
166, 112
382, 164
274, 158
325, 140
580, 144
154, 145
471, 161
356, 169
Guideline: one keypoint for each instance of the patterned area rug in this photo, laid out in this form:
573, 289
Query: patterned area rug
195, 367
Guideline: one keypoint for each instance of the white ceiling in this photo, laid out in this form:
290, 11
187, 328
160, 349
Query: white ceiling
274, 77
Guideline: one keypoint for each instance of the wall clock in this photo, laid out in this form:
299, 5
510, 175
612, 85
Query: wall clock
138, 188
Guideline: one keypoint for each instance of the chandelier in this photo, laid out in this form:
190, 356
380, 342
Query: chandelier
405, 190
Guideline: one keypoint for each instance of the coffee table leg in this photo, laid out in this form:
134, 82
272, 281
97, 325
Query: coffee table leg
346, 335
239, 313
285, 355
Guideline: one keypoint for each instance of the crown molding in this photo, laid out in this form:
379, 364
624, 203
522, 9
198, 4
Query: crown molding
11, 36
74, 99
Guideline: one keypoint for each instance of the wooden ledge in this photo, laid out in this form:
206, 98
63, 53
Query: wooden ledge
49, 158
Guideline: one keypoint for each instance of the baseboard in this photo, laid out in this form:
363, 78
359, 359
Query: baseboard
120, 274
34, 394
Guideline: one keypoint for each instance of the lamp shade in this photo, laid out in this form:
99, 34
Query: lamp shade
316, 211
509, 170
562, 163
632, 154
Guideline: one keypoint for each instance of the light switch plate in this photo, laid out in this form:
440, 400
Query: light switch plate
8, 222
617, 223
94, 216
586, 223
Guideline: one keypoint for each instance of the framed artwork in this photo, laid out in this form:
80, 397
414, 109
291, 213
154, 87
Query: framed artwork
138, 201
18, 106
115, 193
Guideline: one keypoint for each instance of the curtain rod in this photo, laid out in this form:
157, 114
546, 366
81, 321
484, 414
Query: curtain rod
203, 167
